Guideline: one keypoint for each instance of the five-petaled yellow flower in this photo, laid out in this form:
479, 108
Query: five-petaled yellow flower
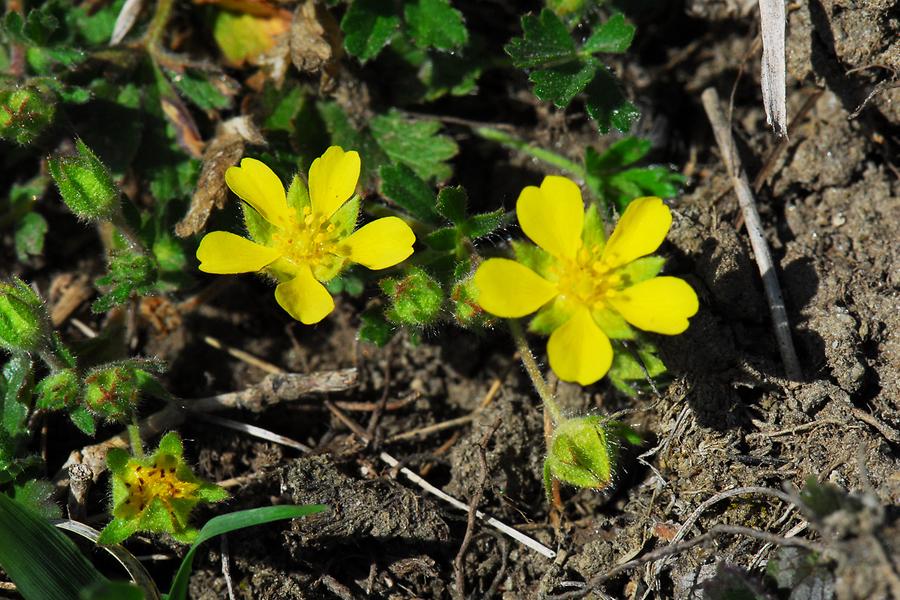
586, 289
305, 237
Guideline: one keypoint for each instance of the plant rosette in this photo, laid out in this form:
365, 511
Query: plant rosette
156, 493
585, 289
305, 238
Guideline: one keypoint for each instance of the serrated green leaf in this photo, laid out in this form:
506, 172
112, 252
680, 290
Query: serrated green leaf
197, 88
375, 328
545, 41
434, 23
40, 559
343, 133
29, 237
443, 239
478, 226
407, 190
414, 143
607, 105
613, 36
17, 375
451, 203
368, 26
562, 83
624, 152
233, 522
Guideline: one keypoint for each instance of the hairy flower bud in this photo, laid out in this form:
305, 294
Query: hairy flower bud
26, 111
24, 323
85, 184
416, 299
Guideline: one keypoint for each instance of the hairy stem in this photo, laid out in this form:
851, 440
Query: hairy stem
534, 371
551, 158
134, 436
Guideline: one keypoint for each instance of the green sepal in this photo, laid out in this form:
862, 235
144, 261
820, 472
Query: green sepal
612, 324
85, 184
259, 230
550, 317
641, 269
345, 218
26, 111
82, 418
58, 390
116, 532
416, 299
536, 259
593, 232
24, 321
298, 196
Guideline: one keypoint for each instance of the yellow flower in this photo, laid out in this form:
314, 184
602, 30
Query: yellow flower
586, 289
304, 238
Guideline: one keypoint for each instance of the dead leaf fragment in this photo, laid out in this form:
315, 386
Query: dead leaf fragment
223, 151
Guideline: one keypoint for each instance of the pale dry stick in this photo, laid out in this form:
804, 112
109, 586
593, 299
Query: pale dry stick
241, 355
772, 25
273, 389
132, 566
889, 434
799, 527
792, 430
226, 565
722, 130
253, 430
427, 487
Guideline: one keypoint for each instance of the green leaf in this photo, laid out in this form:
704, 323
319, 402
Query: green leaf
112, 590
232, 522
368, 26
415, 143
343, 133
82, 418
375, 328
443, 239
435, 23
16, 376
614, 36
40, 559
478, 226
197, 88
624, 152
29, 237
607, 105
451, 204
37, 495
561, 84
546, 40
407, 190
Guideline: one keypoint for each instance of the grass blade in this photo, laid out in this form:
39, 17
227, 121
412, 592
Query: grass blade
42, 562
233, 522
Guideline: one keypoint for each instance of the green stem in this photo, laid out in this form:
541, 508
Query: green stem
134, 436
135, 244
158, 25
534, 371
551, 158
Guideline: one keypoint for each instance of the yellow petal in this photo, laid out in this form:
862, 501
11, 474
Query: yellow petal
332, 179
552, 215
225, 253
509, 289
661, 304
639, 232
381, 244
259, 186
304, 298
579, 351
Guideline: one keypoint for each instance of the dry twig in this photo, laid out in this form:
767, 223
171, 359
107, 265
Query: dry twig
722, 130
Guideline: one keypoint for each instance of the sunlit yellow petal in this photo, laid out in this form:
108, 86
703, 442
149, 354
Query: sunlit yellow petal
259, 186
225, 253
509, 289
552, 215
661, 304
304, 298
579, 351
639, 232
381, 244
332, 179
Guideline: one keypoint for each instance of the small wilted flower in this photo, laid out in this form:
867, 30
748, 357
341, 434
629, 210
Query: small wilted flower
585, 289
304, 238
156, 493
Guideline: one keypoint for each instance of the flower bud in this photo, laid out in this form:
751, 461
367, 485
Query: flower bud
59, 390
416, 299
85, 184
25, 112
584, 452
24, 323
112, 392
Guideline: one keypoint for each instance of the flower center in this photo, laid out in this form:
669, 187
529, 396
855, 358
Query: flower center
588, 279
309, 240
157, 481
